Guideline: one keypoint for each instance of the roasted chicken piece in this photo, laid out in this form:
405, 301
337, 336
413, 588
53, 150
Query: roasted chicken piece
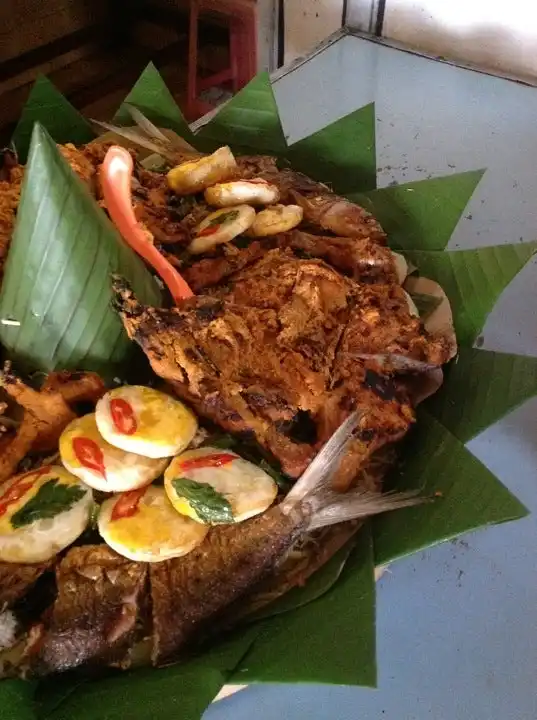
46, 413
16, 580
340, 216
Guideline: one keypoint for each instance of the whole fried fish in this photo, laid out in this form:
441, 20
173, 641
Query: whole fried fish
102, 596
191, 594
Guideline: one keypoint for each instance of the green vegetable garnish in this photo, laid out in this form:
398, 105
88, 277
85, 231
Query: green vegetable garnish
223, 218
426, 304
51, 499
208, 504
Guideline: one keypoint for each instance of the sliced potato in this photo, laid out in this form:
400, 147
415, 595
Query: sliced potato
412, 309
195, 175
221, 227
276, 219
252, 192
401, 267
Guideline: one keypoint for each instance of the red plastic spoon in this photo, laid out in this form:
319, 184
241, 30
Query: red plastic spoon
116, 174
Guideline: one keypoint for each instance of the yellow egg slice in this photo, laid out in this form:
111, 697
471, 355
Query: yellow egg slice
251, 192
143, 526
41, 513
145, 421
216, 486
275, 219
102, 466
221, 227
196, 175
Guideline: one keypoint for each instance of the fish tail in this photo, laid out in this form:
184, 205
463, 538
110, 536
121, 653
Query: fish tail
314, 491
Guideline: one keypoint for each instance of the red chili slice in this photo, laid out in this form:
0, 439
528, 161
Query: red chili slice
216, 460
123, 416
17, 489
89, 455
127, 505
210, 230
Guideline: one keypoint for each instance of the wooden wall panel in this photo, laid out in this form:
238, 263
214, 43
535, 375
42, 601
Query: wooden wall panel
28, 24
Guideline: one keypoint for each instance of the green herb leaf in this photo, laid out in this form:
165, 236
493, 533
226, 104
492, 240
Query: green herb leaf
470, 496
51, 499
152, 97
473, 280
426, 304
421, 214
209, 505
466, 406
57, 276
341, 155
250, 120
223, 218
48, 106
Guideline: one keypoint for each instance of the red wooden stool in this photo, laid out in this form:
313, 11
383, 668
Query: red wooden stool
241, 18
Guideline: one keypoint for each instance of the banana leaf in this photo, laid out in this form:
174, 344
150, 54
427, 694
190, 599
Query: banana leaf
49, 107
56, 286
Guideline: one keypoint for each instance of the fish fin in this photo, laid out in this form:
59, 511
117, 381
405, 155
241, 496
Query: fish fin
320, 470
327, 507
359, 503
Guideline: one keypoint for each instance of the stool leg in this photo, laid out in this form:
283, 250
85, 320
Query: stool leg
235, 60
192, 76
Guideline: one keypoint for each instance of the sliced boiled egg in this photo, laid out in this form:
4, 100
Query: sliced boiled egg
216, 487
41, 513
145, 421
102, 466
195, 175
251, 192
143, 526
276, 219
221, 227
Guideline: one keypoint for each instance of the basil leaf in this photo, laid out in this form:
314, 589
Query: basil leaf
208, 504
51, 499
426, 304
